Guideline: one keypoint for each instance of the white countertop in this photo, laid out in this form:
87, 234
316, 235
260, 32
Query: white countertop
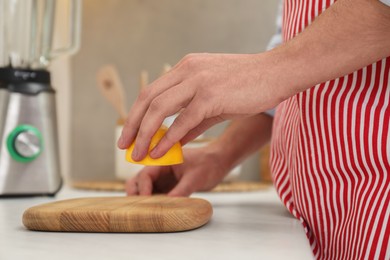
250, 225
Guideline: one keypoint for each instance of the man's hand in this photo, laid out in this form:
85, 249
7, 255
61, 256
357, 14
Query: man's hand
202, 170
205, 167
207, 89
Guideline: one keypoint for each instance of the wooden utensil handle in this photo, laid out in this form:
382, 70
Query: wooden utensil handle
111, 88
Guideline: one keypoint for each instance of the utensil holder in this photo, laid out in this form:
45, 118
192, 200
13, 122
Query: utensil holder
123, 169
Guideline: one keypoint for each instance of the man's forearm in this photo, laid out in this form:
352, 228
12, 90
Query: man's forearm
347, 36
242, 138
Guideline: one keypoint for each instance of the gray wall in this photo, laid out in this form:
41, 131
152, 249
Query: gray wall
145, 34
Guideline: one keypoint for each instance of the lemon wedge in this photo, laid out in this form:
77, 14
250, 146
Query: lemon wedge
173, 156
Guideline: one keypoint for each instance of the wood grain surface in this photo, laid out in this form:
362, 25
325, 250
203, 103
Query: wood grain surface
236, 186
119, 214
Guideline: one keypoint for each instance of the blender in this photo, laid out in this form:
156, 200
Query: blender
29, 152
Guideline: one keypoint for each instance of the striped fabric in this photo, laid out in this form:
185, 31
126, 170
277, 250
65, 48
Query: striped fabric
331, 154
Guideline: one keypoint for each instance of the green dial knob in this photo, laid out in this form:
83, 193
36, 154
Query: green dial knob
24, 143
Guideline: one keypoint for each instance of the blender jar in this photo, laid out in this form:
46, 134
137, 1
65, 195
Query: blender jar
26, 32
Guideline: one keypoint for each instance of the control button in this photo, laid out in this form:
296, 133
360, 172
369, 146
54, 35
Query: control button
25, 143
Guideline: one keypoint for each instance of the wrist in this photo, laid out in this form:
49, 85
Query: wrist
276, 81
285, 73
224, 154
240, 139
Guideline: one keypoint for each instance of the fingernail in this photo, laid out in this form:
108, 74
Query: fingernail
134, 155
120, 141
154, 153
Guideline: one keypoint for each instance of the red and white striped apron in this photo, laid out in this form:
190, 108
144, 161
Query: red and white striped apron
331, 154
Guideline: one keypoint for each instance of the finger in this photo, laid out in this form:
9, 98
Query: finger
146, 178
188, 119
131, 186
166, 104
200, 129
138, 110
184, 188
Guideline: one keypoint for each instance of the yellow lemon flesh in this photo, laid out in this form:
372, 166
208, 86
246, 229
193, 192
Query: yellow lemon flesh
173, 156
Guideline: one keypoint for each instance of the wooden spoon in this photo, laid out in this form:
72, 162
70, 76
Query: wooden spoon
111, 88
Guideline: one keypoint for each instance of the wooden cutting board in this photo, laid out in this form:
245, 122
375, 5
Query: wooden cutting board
119, 214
